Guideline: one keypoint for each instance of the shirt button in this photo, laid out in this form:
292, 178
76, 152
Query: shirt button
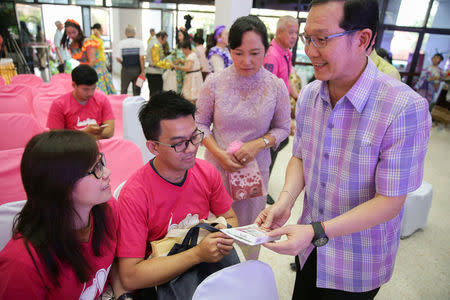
322, 184
331, 126
326, 155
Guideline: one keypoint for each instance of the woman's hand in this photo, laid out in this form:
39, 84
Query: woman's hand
249, 150
229, 162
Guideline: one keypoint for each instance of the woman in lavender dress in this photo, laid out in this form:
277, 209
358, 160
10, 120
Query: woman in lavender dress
217, 50
248, 103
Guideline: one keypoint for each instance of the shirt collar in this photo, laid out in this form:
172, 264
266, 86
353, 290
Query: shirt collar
279, 49
360, 91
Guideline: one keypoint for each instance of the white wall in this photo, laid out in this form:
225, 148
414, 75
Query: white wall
227, 11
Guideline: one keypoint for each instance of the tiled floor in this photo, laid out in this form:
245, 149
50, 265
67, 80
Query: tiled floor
422, 265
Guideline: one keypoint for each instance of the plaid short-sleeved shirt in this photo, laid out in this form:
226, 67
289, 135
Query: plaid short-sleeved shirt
373, 141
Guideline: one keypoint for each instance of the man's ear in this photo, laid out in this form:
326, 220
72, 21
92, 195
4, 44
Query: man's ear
151, 146
363, 39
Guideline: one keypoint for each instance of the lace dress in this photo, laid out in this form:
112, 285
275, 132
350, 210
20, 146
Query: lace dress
244, 108
193, 79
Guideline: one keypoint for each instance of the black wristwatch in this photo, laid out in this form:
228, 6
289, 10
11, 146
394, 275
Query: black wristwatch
125, 296
320, 238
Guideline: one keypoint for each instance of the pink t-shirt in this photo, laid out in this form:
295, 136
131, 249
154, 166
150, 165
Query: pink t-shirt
19, 278
68, 113
279, 62
148, 205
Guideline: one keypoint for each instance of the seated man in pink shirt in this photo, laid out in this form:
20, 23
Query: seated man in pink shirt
173, 190
83, 109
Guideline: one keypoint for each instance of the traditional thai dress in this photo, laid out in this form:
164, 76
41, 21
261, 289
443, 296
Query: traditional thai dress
219, 59
425, 86
104, 82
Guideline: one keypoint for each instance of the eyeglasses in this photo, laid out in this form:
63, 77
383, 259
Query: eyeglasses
97, 170
182, 146
321, 42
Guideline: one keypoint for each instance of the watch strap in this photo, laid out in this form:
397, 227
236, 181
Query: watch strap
125, 296
319, 232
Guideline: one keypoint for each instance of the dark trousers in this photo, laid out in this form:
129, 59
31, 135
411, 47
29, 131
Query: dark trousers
155, 83
61, 67
129, 75
305, 284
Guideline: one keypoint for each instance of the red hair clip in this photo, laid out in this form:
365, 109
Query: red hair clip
72, 21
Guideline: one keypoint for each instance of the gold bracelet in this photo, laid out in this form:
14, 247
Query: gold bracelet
289, 194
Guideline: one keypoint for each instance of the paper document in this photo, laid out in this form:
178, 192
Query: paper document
251, 235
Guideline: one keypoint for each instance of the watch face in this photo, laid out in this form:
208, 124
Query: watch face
321, 242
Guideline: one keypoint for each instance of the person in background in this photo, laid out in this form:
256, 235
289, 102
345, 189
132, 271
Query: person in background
156, 64
83, 108
193, 80
177, 57
64, 239
382, 64
278, 60
61, 53
383, 53
246, 103
217, 50
152, 35
430, 79
86, 51
173, 190
131, 56
96, 34
359, 148
200, 51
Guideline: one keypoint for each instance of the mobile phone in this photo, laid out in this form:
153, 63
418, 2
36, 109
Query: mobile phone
104, 125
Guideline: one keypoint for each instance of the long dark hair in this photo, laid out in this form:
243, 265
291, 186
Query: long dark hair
186, 36
51, 165
65, 39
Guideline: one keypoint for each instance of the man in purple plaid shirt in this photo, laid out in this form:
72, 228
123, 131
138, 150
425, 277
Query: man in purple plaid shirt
359, 148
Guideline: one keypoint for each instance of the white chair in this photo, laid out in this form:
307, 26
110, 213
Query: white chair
132, 129
7, 213
250, 280
417, 205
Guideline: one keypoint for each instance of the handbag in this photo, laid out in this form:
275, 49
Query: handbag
184, 286
170, 80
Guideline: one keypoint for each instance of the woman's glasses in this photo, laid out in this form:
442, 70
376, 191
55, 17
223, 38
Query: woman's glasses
97, 170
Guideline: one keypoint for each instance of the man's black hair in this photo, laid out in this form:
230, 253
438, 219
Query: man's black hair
84, 74
358, 14
163, 106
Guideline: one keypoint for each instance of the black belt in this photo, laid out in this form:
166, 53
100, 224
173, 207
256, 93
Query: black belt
193, 71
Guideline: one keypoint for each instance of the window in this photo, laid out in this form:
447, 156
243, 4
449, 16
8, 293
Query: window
402, 45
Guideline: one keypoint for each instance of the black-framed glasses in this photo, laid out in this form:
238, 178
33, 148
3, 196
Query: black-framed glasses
97, 170
196, 139
322, 41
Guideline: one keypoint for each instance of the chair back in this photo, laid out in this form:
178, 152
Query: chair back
41, 107
11, 186
132, 129
16, 130
2, 81
250, 280
117, 108
123, 158
14, 103
19, 89
28, 79
8, 212
62, 80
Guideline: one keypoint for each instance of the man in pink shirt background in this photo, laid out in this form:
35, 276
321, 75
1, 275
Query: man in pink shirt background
278, 60
84, 108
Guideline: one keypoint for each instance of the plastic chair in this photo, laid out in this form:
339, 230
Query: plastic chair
63, 81
250, 280
28, 79
122, 158
117, 107
47, 88
7, 213
2, 81
10, 180
41, 107
16, 130
19, 89
14, 103
416, 208
132, 129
